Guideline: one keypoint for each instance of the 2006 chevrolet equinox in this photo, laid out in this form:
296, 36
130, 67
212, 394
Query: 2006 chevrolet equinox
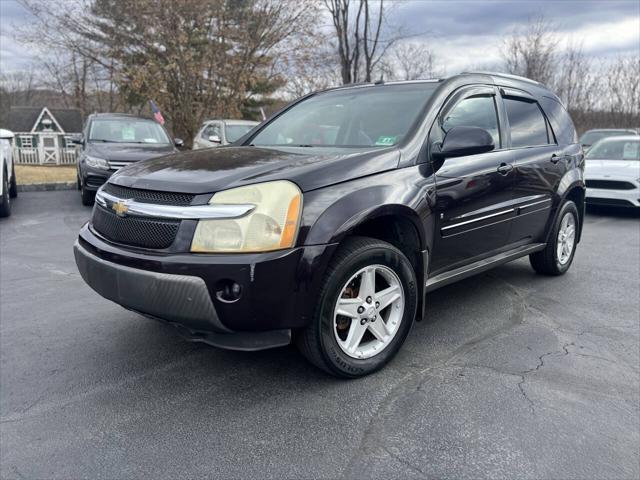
329, 223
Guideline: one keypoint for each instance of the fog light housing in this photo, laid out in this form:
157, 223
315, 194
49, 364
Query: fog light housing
228, 291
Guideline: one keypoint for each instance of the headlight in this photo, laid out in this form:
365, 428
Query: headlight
96, 162
271, 225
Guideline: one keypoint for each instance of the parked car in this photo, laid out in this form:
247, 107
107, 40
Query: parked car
613, 172
215, 133
334, 241
590, 137
111, 141
8, 187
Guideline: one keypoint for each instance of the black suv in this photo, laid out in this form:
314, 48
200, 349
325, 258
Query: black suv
111, 141
329, 223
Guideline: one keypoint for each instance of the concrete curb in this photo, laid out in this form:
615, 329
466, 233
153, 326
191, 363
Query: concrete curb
47, 187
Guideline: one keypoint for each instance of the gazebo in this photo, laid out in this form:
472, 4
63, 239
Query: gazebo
43, 135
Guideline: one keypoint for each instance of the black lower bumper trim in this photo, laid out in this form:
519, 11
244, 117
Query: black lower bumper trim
175, 298
242, 341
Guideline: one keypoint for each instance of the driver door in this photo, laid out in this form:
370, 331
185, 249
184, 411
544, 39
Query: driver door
474, 193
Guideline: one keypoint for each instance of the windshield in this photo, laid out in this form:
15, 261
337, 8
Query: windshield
615, 150
379, 116
589, 138
127, 130
234, 132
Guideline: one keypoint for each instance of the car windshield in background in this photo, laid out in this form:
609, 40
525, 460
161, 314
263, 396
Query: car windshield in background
378, 116
615, 150
234, 132
590, 138
127, 131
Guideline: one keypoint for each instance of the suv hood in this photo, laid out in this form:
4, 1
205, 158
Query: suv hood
128, 152
215, 169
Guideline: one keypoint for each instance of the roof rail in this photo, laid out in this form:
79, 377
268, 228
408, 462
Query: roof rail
506, 75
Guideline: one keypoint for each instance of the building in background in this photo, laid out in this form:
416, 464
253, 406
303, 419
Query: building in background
43, 136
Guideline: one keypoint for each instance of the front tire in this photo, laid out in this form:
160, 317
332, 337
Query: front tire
366, 307
5, 207
13, 187
88, 197
557, 256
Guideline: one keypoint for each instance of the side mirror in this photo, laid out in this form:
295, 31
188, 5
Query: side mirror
178, 142
77, 139
215, 139
462, 141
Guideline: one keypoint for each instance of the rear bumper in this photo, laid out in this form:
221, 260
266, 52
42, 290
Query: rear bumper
278, 289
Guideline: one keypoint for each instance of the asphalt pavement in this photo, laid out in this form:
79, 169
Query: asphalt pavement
513, 375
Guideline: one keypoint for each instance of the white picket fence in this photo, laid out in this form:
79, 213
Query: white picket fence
44, 149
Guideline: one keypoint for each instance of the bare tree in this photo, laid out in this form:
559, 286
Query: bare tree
361, 45
410, 61
531, 52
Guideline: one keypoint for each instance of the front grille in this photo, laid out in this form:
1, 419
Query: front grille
149, 196
610, 184
137, 231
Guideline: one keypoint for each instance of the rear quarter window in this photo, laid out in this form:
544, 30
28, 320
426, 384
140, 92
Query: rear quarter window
527, 123
561, 122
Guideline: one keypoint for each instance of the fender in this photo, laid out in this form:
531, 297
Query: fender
341, 213
572, 179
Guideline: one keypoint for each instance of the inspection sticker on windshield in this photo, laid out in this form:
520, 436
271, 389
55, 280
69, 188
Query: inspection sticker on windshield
386, 140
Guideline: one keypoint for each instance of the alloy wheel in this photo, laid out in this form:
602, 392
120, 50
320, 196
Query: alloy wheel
368, 312
566, 238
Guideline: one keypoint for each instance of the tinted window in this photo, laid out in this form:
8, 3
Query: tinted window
615, 150
560, 120
528, 125
379, 116
474, 112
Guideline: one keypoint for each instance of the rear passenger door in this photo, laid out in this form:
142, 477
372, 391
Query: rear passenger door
539, 165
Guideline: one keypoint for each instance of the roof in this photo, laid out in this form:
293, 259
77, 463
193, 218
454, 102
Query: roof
118, 115
232, 121
619, 138
22, 119
629, 130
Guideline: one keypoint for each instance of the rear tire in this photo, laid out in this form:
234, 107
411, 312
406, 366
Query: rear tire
382, 318
13, 187
88, 197
5, 207
558, 255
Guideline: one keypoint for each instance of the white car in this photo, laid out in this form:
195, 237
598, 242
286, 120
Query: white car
8, 188
612, 172
214, 133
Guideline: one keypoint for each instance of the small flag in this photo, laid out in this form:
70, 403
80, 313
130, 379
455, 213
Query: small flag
157, 114
264, 117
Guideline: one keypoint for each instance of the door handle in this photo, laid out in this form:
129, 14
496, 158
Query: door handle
505, 168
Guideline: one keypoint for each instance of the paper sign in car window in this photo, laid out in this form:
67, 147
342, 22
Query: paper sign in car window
128, 133
383, 140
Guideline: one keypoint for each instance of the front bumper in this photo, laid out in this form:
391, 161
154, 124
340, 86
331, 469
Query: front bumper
606, 197
278, 289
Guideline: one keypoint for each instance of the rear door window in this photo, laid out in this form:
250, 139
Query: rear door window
528, 124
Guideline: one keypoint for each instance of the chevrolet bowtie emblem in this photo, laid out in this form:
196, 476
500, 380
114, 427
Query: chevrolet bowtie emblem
121, 208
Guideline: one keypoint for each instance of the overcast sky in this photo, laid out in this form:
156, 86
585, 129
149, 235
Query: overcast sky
462, 34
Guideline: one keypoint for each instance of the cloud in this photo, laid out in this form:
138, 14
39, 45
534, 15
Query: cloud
467, 35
